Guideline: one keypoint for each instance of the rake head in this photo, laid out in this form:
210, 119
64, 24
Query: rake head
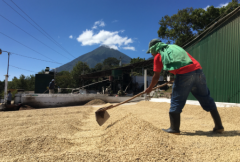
102, 115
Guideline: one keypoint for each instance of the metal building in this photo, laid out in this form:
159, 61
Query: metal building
42, 82
218, 51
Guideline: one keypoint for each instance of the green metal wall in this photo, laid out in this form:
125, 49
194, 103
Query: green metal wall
219, 56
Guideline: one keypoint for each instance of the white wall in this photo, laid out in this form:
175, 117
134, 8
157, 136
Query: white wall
140, 79
58, 100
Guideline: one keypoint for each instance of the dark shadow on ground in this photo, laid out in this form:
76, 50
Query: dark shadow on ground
212, 134
112, 124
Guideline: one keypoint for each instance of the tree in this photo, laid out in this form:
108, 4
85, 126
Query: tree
136, 60
98, 67
64, 79
41, 72
14, 83
189, 22
24, 82
136, 71
79, 69
30, 81
202, 19
177, 28
111, 62
230, 7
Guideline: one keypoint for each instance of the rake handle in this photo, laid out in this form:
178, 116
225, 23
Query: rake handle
139, 94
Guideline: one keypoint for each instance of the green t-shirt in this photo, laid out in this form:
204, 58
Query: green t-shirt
173, 56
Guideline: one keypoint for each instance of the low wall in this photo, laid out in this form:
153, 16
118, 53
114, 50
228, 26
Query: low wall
59, 100
194, 102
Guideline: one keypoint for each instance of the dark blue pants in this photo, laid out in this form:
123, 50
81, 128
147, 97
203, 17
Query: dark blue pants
194, 82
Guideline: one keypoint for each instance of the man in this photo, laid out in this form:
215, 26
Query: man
189, 78
51, 87
9, 98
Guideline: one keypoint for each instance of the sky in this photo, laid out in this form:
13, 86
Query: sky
50, 33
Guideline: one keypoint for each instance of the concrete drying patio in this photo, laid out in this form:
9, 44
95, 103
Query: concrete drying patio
133, 133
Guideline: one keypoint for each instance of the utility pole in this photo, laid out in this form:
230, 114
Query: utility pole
120, 62
145, 83
6, 77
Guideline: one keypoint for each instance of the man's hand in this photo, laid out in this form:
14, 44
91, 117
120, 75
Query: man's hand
154, 82
148, 90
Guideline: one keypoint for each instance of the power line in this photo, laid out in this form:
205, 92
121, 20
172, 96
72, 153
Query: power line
23, 17
32, 36
26, 46
22, 69
44, 30
36, 58
45, 33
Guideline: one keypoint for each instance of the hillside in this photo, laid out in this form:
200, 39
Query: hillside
96, 56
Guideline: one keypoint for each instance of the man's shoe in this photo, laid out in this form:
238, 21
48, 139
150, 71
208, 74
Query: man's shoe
175, 124
217, 120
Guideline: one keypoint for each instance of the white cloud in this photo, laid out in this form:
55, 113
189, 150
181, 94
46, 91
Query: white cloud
114, 21
71, 37
129, 48
103, 37
223, 4
98, 23
113, 47
143, 50
206, 8
219, 6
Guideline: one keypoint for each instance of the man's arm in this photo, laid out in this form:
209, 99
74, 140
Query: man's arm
154, 82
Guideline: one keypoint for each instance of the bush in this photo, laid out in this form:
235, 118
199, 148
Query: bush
13, 94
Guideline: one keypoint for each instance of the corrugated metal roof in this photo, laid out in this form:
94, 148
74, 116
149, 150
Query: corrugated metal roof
102, 73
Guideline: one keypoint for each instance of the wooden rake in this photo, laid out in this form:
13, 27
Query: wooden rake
102, 114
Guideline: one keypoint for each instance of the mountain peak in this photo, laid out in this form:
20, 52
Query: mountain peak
106, 46
98, 55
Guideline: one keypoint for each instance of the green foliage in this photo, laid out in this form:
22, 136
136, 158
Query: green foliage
41, 72
13, 94
189, 22
201, 18
78, 69
24, 82
98, 67
21, 82
64, 79
136, 60
107, 67
134, 73
30, 82
177, 27
110, 62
